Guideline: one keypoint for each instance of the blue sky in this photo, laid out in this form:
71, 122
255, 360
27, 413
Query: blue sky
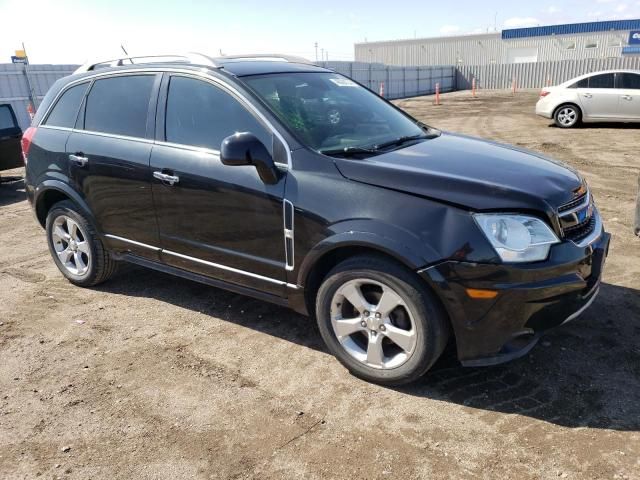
72, 31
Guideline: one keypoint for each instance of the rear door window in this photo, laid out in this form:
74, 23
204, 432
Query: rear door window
6, 118
65, 111
119, 105
629, 81
202, 115
606, 80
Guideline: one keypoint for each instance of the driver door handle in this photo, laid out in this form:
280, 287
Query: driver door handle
165, 177
587, 95
78, 159
627, 97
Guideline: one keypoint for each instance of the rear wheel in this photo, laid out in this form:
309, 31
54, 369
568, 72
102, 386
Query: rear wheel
379, 320
567, 116
76, 248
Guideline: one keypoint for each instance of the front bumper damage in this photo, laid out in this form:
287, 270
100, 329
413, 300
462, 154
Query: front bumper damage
531, 299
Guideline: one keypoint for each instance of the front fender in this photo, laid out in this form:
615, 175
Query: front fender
390, 240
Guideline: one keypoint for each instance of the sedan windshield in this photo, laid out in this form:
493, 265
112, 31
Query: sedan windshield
332, 114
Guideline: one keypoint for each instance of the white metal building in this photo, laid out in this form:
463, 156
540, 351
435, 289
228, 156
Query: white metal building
612, 39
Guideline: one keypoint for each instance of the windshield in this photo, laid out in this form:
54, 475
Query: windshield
329, 112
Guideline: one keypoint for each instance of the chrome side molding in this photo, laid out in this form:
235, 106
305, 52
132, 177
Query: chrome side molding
205, 262
288, 216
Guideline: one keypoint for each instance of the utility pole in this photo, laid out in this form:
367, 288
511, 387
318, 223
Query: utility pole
316, 45
322, 54
32, 95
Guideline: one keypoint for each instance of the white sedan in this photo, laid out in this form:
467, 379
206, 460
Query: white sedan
611, 96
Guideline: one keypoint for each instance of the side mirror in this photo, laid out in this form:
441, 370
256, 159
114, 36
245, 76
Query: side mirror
246, 149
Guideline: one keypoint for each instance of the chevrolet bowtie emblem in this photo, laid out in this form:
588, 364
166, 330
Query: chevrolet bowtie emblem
581, 190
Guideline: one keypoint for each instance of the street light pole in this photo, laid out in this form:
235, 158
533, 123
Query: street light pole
32, 95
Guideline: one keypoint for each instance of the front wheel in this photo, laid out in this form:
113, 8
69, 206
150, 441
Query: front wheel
379, 320
567, 116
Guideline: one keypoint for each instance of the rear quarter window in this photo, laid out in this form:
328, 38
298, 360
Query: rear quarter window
119, 105
65, 111
584, 83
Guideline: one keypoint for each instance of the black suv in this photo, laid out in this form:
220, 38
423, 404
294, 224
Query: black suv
296, 185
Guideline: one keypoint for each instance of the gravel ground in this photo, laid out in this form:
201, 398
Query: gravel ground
150, 376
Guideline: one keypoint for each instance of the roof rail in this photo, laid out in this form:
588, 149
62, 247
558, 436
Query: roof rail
263, 57
191, 58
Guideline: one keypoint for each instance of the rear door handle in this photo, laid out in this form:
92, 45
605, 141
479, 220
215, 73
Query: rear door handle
79, 159
165, 177
627, 97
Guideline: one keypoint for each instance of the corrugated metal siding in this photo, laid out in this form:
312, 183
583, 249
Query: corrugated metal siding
489, 49
399, 82
14, 87
537, 75
571, 29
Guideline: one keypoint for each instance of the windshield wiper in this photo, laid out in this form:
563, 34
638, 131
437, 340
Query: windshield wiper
376, 149
401, 140
348, 151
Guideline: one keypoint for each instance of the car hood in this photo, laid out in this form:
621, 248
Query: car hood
469, 172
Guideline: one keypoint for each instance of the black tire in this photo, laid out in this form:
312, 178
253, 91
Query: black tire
557, 116
100, 264
430, 321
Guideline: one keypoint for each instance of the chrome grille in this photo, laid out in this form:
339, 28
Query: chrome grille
572, 204
581, 231
578, 218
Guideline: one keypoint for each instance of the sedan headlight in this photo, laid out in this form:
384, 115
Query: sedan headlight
517, 238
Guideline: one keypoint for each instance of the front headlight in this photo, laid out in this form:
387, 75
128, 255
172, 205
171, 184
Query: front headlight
517, 238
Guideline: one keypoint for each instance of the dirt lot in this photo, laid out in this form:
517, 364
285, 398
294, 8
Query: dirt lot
151, 376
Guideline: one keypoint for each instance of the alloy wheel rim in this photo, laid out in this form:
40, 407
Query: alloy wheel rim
71, 245
567, 116
373, 324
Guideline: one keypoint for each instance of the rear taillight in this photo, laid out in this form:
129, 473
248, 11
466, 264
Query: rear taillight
27, 136
544, 93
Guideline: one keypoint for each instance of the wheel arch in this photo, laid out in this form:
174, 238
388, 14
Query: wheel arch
51, 192
321, 259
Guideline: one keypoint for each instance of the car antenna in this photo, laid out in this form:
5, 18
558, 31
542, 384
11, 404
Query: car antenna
126, 53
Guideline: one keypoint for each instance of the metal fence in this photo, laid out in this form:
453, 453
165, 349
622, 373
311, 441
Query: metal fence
399, 82
21, 85
536, 75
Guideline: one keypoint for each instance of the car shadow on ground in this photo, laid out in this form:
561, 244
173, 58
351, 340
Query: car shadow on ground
593, 126
583, 374
11, 189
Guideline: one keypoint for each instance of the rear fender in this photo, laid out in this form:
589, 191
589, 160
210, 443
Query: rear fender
49, 185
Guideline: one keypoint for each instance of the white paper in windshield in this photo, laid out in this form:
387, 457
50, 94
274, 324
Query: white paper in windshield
344, 82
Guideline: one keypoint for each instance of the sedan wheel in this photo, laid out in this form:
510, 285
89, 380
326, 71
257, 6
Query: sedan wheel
567, 116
